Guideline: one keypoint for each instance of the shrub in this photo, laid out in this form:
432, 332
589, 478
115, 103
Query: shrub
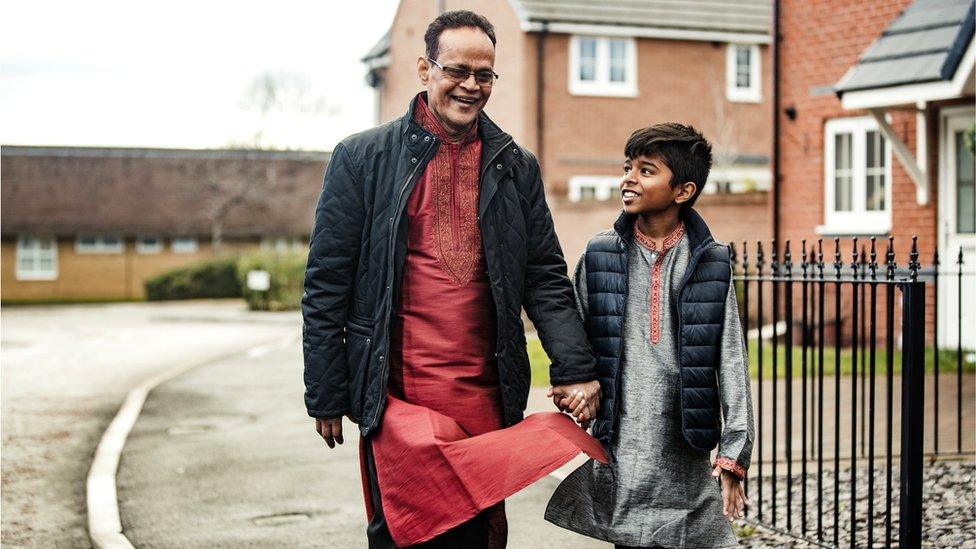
287, 273
205, 279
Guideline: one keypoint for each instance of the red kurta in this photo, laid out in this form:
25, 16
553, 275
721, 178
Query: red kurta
440, 454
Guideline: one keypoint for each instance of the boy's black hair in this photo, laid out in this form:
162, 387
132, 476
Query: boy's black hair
456, 19
683, 149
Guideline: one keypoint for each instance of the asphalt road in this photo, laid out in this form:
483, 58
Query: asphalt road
65, 371
225, 456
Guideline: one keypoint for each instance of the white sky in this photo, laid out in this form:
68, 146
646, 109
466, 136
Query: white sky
176, 74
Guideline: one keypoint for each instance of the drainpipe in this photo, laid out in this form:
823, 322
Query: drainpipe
774, 161
540, 59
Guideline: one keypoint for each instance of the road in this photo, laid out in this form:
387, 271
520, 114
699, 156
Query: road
65, 371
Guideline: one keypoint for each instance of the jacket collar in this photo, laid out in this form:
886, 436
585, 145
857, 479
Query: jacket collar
492, 137
698, 233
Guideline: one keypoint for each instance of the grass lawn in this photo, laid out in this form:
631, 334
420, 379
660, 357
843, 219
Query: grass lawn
947, 361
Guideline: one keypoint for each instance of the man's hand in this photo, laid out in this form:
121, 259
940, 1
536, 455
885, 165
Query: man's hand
580, 399
330, 429
734, 499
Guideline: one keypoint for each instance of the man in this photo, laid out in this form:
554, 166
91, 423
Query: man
431, 234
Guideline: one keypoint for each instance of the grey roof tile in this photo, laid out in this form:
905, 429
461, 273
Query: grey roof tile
923, 44
747, 16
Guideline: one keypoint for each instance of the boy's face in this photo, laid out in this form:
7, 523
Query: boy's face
645, 187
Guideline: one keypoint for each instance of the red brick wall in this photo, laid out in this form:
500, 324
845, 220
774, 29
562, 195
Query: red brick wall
820, 41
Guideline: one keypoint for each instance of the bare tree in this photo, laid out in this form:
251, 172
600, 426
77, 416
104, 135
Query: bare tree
276, 93
231, 183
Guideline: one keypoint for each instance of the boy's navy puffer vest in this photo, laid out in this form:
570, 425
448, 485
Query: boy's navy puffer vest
700, 313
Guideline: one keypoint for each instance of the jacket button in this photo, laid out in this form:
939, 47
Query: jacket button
413, 137
413, 160
426, 138
499, 166
515, 151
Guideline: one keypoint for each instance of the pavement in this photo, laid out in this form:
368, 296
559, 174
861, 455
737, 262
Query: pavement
225, 456
65, 372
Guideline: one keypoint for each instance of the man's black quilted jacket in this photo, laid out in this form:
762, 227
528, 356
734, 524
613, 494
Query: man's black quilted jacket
356, 257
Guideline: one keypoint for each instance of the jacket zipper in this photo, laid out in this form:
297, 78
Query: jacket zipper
484, 246
390, 259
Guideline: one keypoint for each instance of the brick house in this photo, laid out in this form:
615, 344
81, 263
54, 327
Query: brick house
95, 223
876, 120
576, 78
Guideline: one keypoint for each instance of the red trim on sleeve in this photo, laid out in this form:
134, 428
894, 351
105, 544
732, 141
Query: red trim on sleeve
731, 466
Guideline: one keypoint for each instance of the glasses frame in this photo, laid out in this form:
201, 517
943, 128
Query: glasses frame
458, 79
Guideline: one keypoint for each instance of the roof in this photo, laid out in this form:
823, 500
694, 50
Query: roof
165, 192
379, 49
925, 43
737, 16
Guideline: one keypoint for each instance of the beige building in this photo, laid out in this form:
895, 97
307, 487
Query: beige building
95, 223
577, 77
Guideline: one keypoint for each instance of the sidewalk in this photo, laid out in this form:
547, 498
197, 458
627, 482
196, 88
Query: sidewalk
225, 456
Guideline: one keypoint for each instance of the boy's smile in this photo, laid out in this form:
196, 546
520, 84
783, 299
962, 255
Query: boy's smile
646, 185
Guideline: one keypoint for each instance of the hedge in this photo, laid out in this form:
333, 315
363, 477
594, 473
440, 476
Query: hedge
287, 273
206, 279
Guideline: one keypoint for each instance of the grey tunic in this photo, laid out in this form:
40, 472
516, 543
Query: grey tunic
658, 491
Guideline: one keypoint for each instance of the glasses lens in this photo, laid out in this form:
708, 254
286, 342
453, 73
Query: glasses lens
484, 77
455, 73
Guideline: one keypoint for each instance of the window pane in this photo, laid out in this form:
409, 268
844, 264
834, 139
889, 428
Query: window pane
843, 188
587, 193
110, 241
587, 54
965, 187
618, 59
742, 66
874, 193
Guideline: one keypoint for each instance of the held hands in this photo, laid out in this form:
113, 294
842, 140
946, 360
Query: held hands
734, 499
582, 400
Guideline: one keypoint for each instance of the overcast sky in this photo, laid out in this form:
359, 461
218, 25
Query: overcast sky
179, 73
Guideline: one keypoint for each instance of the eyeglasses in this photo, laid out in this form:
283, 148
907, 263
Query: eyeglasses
484, 77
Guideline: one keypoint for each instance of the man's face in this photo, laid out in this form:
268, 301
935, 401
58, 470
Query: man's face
457, 104
645, 187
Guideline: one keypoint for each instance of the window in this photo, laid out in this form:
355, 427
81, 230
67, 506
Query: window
149, 245
593, 187
857, 176
965, 186
602, 66
98, 244
283, 245
742, 73
184, 245
37, 258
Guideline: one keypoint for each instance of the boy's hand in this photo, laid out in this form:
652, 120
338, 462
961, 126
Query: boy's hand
734, 499
582, 400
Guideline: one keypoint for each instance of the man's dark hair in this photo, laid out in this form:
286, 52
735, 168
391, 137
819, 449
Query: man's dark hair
457, 19
682, 148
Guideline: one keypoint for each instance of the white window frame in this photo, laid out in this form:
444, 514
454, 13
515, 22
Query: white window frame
605, 187
857, 221
100, 244
752, 93
602, 86
35, 272
184, 245
143, 248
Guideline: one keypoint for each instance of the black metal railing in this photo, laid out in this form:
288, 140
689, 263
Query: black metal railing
851, 330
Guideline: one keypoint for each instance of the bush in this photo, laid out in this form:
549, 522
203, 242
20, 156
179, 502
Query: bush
206, 279
287, 272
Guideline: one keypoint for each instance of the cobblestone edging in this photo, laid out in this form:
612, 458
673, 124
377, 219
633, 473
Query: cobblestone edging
949, 505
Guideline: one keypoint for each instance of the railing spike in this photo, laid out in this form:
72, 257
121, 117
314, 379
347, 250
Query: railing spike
913, 264
803, 263
820, 261
890, 259
788, 260
854, 254
745, 258
874, 260
838, 265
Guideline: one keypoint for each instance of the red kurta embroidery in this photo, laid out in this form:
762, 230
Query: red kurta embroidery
669, 242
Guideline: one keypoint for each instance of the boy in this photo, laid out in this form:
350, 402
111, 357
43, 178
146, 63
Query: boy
657, 301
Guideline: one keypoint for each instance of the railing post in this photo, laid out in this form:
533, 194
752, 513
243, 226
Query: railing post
912, 413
